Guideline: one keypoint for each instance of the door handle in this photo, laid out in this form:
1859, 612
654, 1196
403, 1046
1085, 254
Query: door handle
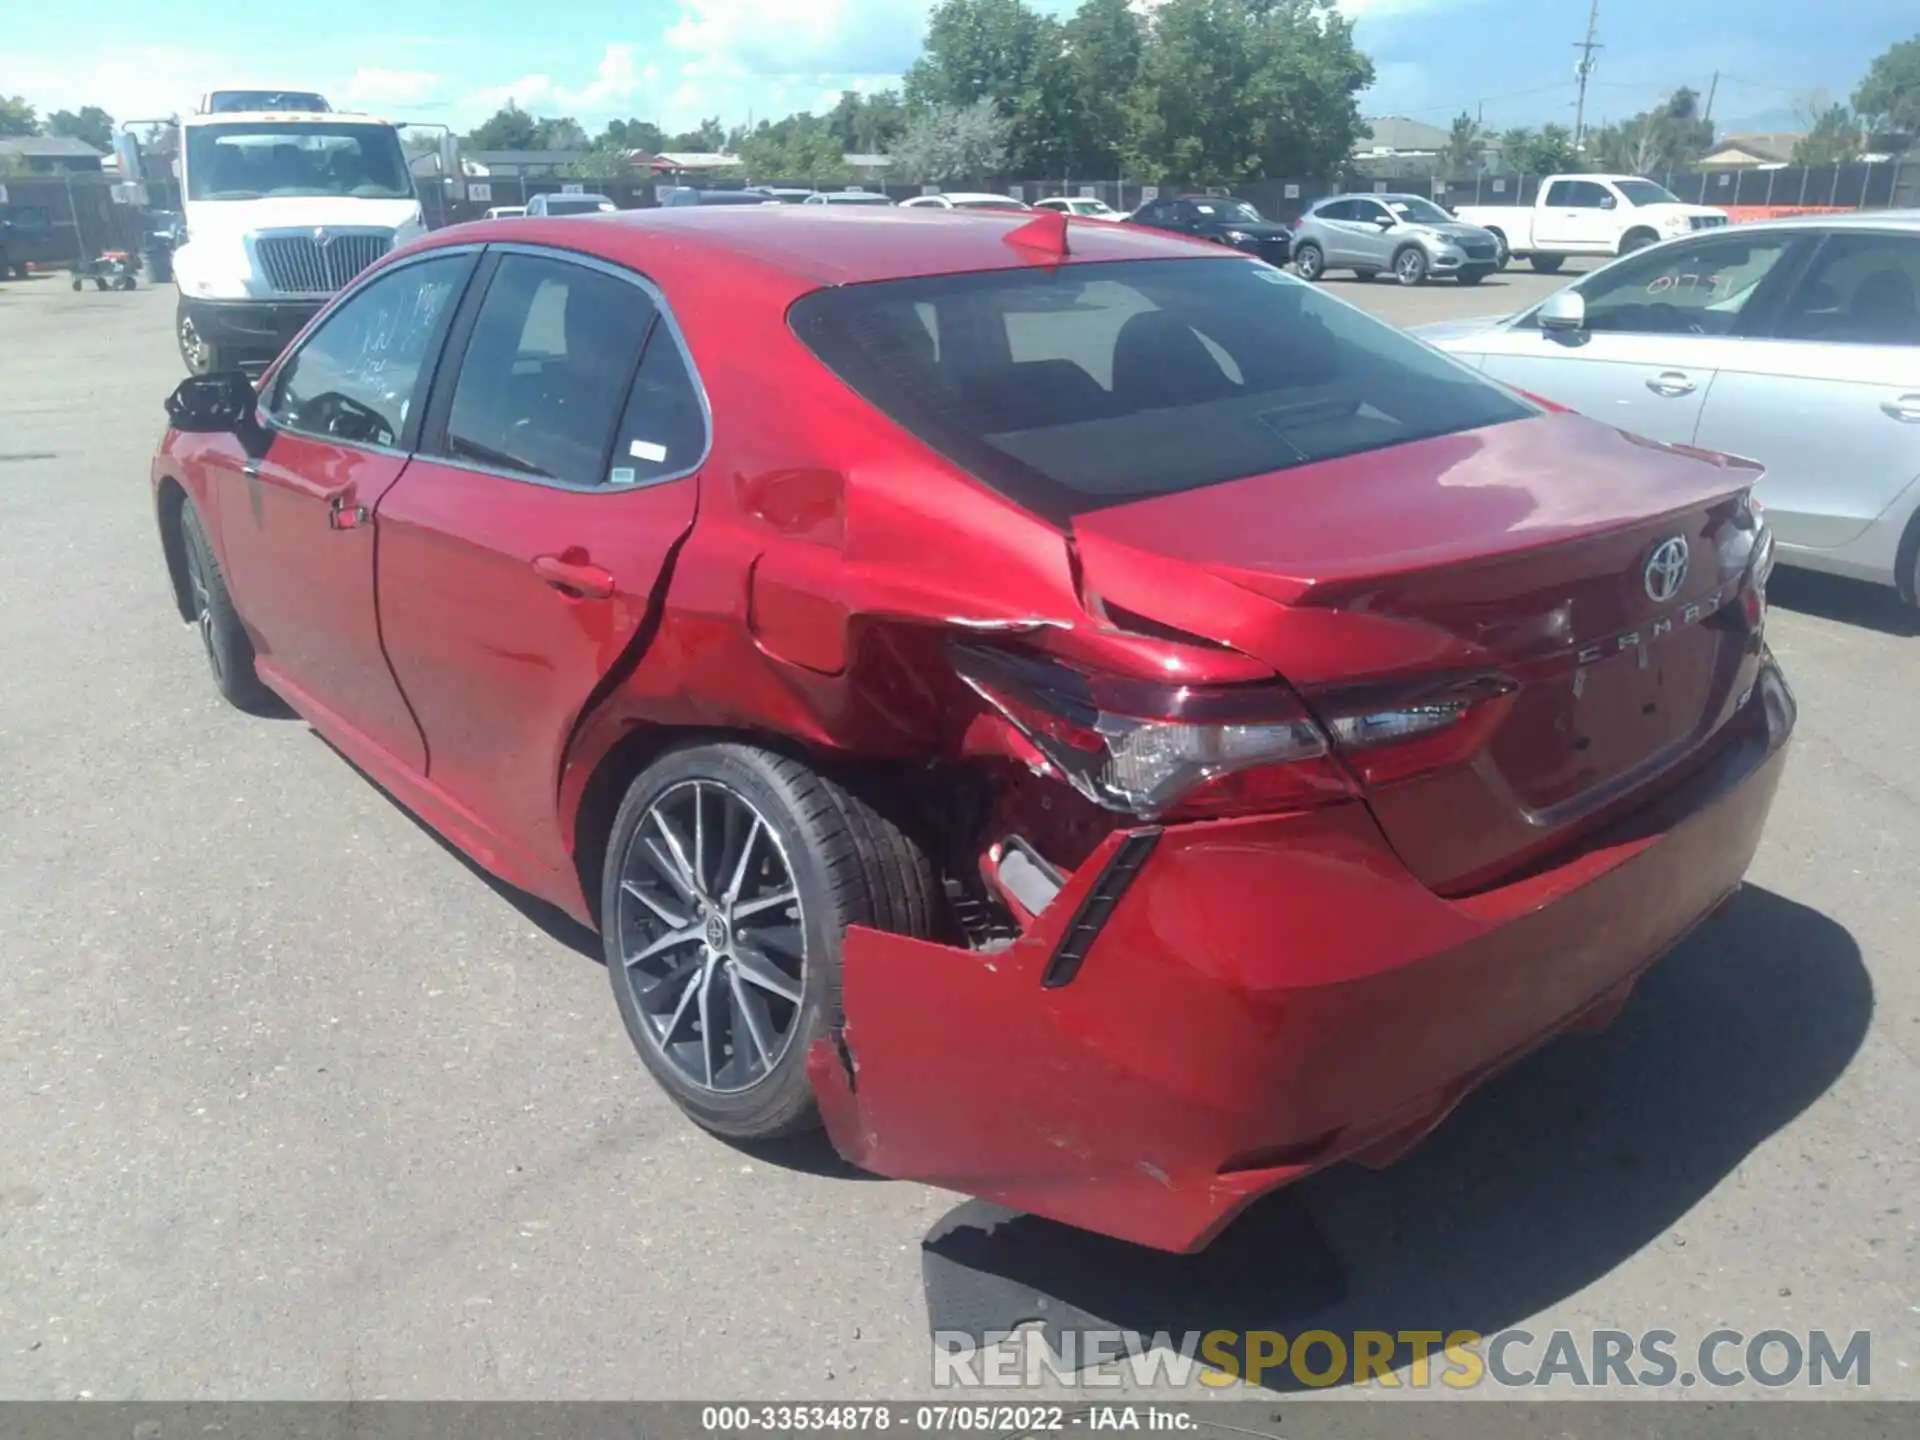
342, 512
574, 577
1670, 383
1903, 407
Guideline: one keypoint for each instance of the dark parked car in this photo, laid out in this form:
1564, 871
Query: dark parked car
1093, 719
1222, 219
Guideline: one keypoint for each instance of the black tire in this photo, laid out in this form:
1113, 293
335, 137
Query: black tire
78, 283
1309, 260
229, 651
1502, 256
201, 356
1637, 240
1471, 275
1366, 277
1548, 264
1410, 265
847, 864
126, 282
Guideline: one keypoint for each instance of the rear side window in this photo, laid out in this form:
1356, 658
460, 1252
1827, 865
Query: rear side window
1096, 384
1861, 289
546, 371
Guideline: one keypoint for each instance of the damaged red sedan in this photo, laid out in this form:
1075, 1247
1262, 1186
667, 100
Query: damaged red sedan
1098, 723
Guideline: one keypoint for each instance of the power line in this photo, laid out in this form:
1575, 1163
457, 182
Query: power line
1586, 48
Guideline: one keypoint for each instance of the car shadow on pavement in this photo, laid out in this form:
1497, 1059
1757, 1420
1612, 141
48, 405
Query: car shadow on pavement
1851, 602
550, 920
1569, 1164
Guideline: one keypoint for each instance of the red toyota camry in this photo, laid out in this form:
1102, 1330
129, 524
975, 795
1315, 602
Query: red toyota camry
1099, 723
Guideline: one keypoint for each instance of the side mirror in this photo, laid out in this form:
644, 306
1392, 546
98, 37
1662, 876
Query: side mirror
212, 404
450, 156
1565, 312
1607, 202
126, 148
1386, 222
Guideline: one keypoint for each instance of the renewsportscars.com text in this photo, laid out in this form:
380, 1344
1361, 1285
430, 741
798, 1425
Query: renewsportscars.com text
1514, 1358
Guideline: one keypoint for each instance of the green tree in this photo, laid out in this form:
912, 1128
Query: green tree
1008, 54
1832, 139
867, 124
92, 126
1103, 48
602, 162
510, 128
1465, 145
632, 135
1888, 100
947, 143
17, 117
801, 147
1235, 89
559, 133
707, 138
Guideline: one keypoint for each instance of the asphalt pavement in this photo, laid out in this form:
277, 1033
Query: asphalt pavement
295, 1103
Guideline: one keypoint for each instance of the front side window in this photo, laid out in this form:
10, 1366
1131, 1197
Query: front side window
546, 370
1412, 210
239, 161
1860, 290
357, 378
1700, 287
1100, 383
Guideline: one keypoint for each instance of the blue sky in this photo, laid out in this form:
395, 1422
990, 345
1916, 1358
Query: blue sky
677, 60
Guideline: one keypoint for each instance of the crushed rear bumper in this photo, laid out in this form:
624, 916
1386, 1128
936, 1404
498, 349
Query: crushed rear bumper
1267, 997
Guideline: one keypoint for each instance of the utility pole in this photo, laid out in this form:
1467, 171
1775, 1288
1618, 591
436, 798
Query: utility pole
1581, 71
1711, 91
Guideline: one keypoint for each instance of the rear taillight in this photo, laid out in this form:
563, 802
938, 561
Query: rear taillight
1154, 750
1190, 752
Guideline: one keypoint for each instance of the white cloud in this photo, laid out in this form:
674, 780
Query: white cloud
372, 88
800, 37
133, 82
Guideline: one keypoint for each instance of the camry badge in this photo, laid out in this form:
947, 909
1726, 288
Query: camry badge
1666, 570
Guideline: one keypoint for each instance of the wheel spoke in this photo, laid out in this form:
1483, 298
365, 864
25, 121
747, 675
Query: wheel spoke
749, 1009
740, 867
671, 978
694, 986
699, 839
748, 908
757, 968
664, 867
687, 876
666, 942
705, 982
666, 916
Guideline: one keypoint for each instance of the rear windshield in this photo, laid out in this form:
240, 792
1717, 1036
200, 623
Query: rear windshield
575, 205
1095, 384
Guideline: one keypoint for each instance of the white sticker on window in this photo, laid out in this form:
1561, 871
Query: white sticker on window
1269, 274
622, 475
648, 451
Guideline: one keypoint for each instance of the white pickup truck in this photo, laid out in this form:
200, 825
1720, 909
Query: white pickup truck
1589, 215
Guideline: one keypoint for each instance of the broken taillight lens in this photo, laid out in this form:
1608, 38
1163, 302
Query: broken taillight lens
1148, 749
1190, 752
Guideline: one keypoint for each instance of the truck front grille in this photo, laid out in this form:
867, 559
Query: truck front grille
306, 263
1707, 222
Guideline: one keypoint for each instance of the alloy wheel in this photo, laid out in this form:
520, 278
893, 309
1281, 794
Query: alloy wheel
711, 931
1411, 267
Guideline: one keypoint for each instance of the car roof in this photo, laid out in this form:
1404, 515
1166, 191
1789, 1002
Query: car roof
815, 245
1850, 220
282, 117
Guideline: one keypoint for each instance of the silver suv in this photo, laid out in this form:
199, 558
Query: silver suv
1408, 235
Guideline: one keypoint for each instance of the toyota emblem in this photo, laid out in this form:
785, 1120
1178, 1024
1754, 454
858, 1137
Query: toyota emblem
322, 238
1666, 570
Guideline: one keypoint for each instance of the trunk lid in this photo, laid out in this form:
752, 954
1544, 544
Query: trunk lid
1546, 553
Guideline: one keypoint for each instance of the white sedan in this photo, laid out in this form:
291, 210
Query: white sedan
1795, 343
964, 200
1083, 206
